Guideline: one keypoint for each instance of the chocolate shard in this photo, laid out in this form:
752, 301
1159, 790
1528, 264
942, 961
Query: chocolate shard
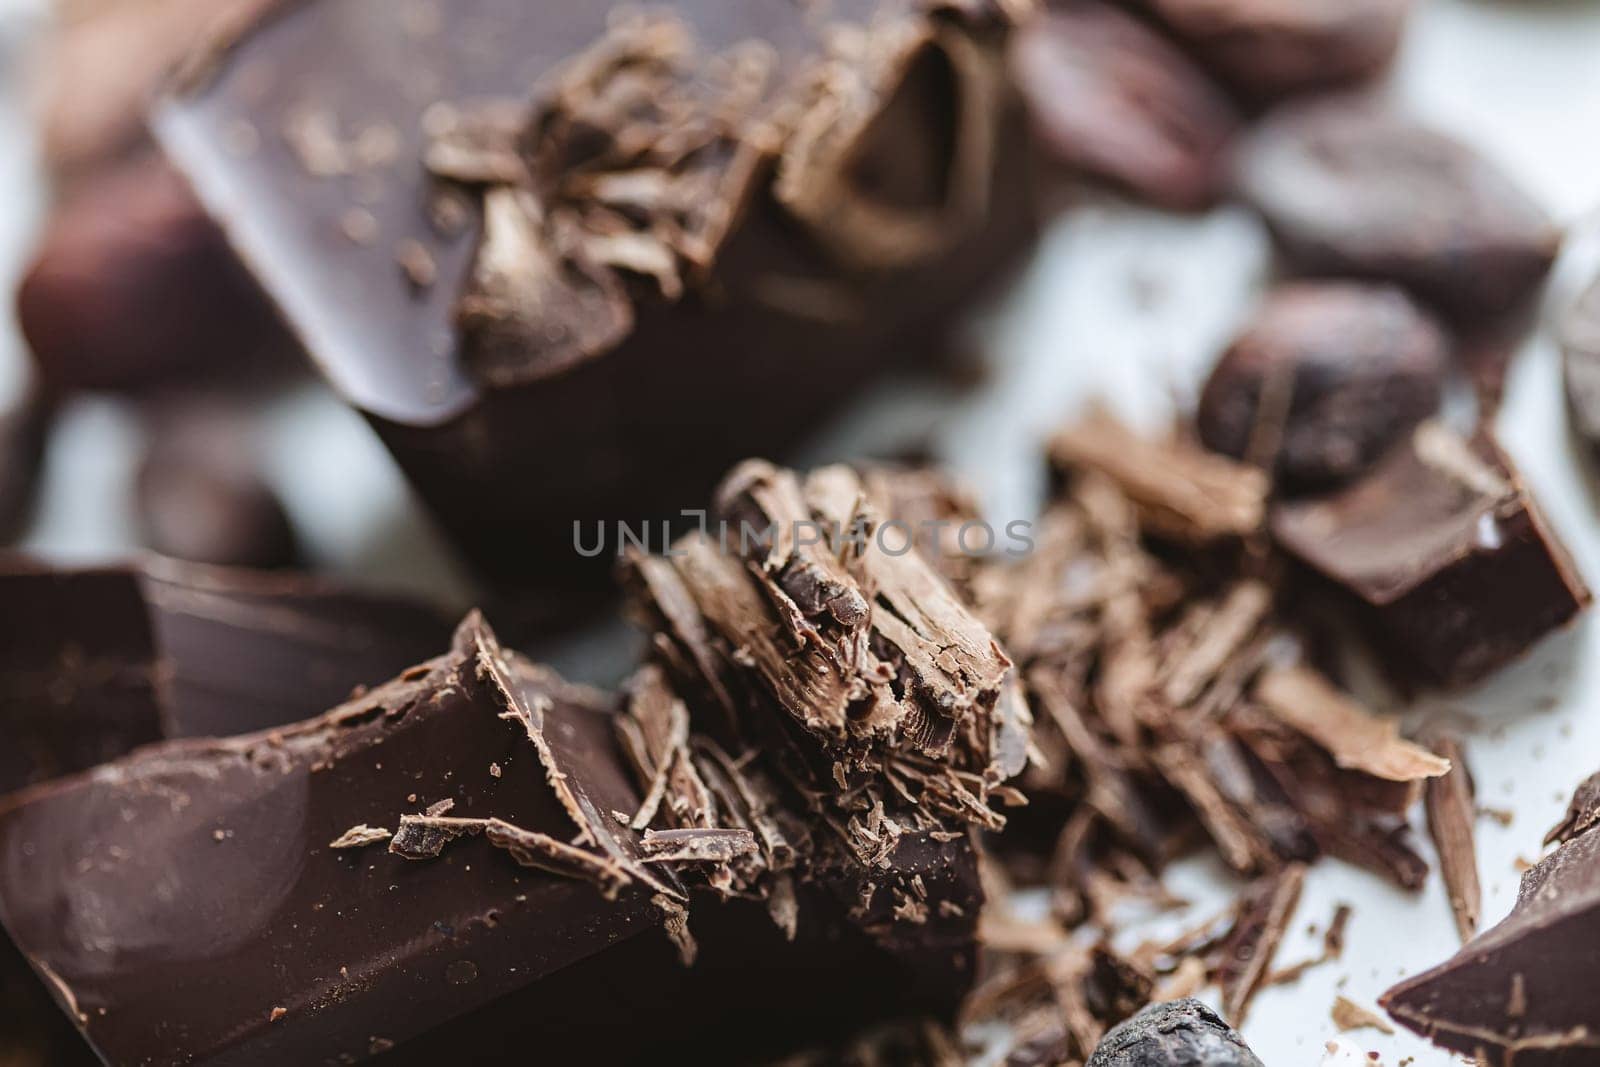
1182, 493
1446, 553
532, 301
1262, 918
167, 978
1323, 380
1176, 1032
1339, 183
1520, 993
1357, 739
96, 662
1269, 50
1113, 100
1452, 813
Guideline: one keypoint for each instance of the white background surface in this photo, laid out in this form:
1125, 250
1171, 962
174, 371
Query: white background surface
1121, 303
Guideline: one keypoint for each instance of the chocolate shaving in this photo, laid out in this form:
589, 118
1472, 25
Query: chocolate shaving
359, 836
424, 837
1348, 1015
1357, 739
1182, 493
1450, 806
1264, 914
696, 846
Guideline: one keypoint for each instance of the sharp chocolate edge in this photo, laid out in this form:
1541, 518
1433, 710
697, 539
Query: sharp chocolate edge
1521, 993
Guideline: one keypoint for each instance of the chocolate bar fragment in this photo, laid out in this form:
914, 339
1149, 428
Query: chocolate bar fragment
1177, 1032
447, 858
1350, 190
1447, 554
274, 939
565, 308
96, 662
1522, 992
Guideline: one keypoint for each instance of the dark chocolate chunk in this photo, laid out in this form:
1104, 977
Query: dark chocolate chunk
1350, 190
666, 296
201, 497
1271, 49
1580, 345
1522, 993
1452, 813
1113, 100
132, 286
1324, 378
510, 908
1177, 1032
24, 430
1447, 554
96, 662
267, 945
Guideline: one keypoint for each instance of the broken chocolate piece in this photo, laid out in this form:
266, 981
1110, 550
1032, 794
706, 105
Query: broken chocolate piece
1267, 49
1347, 1015
1521, 993
97, 662
200, 496
1177, 1032
449, 940
1447, 554
24, 429
1323, 380
1357, 739
1452, 814
1113, 100
1349, 190
707, 199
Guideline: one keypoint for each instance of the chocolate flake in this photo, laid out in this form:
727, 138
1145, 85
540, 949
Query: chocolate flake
359, 836
1449, 803
1264, 914
1347, 1015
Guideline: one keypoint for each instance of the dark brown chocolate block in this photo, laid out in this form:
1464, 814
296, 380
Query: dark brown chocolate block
804, 196
1523, 992
96, 662
1446, 551
449, 858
